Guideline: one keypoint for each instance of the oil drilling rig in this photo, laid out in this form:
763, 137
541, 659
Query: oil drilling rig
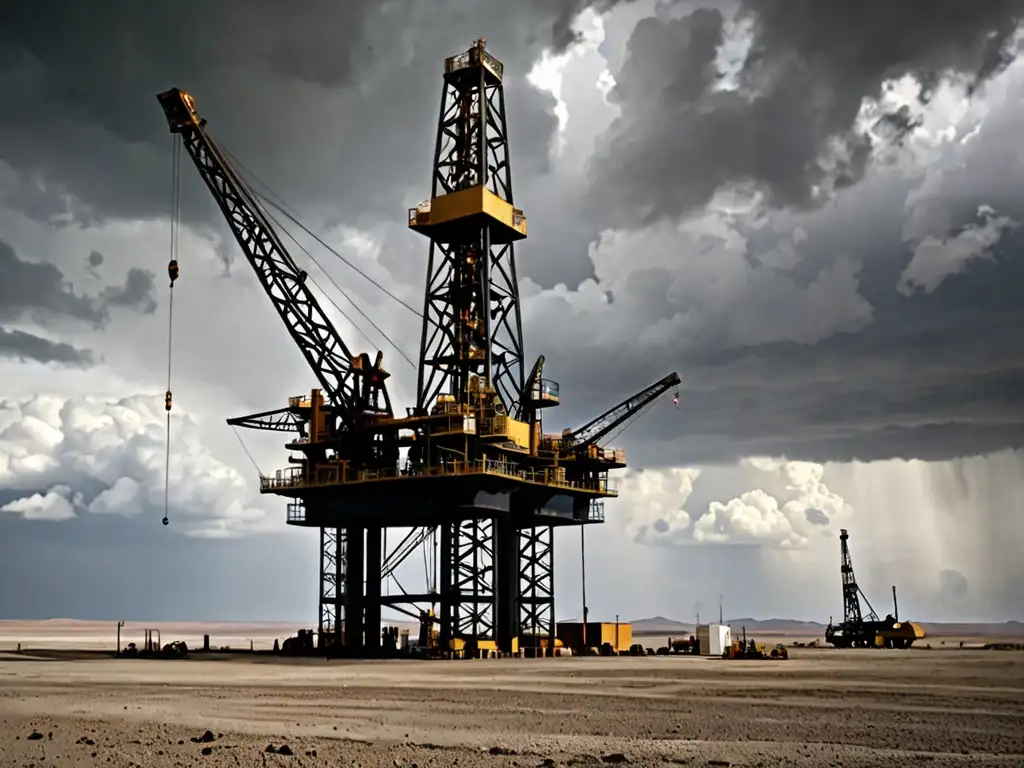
858, 631
469, 467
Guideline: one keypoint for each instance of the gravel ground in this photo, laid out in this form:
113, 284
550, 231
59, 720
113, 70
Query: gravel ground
820, 708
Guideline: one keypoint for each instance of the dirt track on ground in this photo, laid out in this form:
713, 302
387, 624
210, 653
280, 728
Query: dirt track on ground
821, 708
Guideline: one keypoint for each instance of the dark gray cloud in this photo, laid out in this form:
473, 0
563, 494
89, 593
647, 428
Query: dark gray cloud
95, 259
19, 345
39, 290
933, 376
811, 65
332, 104
340, 123
136, 293
346, 126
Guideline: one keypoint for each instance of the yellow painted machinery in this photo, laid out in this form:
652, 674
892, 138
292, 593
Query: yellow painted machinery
742, 648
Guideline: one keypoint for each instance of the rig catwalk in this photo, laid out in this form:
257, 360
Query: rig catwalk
469, 469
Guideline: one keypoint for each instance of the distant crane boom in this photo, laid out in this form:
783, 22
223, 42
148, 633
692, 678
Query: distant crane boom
597, 428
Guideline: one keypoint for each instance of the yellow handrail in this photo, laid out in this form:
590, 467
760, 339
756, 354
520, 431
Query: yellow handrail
294, 477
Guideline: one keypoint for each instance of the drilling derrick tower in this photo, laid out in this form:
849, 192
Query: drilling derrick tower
497, 572
479, 480
857, 630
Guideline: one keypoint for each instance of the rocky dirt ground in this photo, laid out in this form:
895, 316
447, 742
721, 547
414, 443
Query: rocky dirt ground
821, 708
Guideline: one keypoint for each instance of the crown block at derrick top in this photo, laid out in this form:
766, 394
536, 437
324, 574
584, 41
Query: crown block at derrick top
458, 216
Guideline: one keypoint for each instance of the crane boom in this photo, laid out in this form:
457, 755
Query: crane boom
354, 387
277, 420
597, 428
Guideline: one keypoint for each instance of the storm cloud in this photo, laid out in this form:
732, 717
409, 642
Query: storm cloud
787, 125
811, 210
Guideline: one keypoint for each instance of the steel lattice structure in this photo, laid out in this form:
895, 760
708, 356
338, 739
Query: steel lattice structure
472, 150
482, 487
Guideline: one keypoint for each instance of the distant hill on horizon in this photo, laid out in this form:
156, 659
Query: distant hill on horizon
663, 625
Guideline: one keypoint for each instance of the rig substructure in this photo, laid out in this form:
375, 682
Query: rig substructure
468, 466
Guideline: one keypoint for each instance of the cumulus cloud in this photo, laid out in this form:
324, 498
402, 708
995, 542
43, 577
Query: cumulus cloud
802, 508
56, 504
657, 498
937, 258
112, 452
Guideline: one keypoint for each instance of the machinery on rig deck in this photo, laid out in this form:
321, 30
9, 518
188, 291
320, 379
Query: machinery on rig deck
857, 631
478, 473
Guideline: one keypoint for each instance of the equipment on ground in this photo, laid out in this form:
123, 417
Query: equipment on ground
742, 648
152, 649
299, 644
858, 631
713, 639
684, 645
481, 486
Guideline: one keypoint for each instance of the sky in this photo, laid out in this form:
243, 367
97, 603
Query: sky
810, 210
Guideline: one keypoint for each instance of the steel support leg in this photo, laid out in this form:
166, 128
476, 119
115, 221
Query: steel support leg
372, 590
506, 591
537, 583
332, 586
354, 600
469, 564
446, 629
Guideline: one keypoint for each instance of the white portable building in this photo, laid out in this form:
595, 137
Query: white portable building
713, 639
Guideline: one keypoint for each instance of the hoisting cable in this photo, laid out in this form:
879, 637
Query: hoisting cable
426, 560
341, 291
335, 253
384, 549
248, 453
277, 202
172, 273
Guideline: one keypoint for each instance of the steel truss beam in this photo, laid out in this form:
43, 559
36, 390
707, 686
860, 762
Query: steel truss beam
277, 420
537, 583
467, 580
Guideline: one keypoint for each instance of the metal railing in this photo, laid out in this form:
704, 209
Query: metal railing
295, 477
466, 59
595, 514
296, 512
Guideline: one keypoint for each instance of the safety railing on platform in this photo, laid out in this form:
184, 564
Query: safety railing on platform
596, 512
294, 477
296, 512
466, 59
